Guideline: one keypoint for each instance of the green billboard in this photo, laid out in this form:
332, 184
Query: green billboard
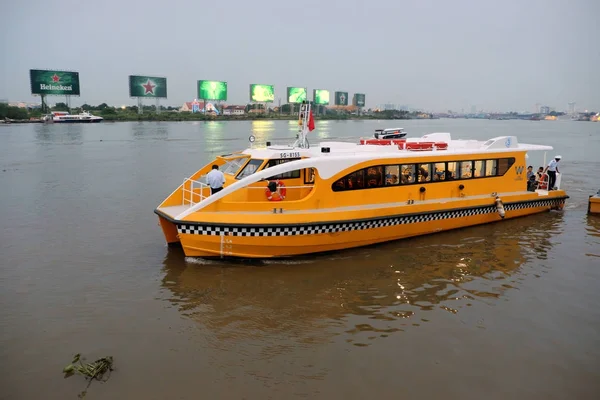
358, 100
212, 90
147, 86
54, 82
341, 98
262, 93
296, 94
321, 97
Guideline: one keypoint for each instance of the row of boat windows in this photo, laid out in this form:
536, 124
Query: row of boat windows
384, 175
406, 174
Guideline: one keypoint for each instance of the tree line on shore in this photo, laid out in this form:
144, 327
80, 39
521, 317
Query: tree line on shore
168, 113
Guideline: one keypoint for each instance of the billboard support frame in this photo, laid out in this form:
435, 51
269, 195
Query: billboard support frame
157, 105
44, 103
140, 106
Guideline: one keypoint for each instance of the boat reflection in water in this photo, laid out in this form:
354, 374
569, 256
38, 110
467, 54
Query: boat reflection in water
376, 290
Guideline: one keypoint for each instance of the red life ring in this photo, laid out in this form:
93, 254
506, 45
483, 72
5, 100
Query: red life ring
543, 182
278, 194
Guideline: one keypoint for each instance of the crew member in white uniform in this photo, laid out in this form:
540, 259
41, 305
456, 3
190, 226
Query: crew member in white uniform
552, 170
215, 179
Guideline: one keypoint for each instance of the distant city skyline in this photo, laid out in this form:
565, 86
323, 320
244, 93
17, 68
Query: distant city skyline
444, 55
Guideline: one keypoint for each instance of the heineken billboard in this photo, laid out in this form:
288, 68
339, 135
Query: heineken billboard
296, 94
53, 82
341, 98
147, 86
212, 90
262, 93
358, 100
321, 97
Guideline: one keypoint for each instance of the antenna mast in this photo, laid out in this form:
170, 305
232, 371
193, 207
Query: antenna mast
302, 139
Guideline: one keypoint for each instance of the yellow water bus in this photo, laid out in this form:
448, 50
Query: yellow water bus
281, 201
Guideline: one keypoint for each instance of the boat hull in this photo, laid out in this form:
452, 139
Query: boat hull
277, 240
94, 121
594, 205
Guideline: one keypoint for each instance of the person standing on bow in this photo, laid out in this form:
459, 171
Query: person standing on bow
552, 170
215, 179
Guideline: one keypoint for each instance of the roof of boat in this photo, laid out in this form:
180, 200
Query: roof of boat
497, 144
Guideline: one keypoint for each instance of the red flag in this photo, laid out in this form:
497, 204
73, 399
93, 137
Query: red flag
311, 122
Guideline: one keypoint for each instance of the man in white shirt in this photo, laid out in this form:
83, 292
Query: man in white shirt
215, 179
552, 170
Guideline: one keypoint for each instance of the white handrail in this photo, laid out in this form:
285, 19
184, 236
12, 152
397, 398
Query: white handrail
191, 192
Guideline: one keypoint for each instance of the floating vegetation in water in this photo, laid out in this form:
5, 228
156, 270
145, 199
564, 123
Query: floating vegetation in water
91, 371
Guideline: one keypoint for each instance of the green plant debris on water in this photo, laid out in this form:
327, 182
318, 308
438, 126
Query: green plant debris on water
95, 370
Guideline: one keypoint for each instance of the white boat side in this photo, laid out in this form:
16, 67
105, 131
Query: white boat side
344, 155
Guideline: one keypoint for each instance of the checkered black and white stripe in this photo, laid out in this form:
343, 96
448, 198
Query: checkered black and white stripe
311, 229
532, 204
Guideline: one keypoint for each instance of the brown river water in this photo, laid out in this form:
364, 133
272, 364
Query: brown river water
503, 311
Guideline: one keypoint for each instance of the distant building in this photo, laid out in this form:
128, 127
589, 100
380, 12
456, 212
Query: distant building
234, 110
197, 106
572, 108
544, 110
22, 104
188, 106
257, 111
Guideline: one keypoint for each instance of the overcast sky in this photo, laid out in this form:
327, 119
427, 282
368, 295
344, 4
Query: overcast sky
429, 54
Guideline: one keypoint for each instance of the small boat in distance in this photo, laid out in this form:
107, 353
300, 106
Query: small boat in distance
390, 133
388, 136
65, 117
281, 201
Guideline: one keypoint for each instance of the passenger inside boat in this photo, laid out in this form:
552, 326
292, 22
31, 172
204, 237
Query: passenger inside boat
408, 173
375, 177
391, 174
424, 173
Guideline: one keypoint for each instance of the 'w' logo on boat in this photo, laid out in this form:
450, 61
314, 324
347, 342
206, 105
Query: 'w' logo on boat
520, 170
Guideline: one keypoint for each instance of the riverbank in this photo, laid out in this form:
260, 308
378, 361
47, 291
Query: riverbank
181, 117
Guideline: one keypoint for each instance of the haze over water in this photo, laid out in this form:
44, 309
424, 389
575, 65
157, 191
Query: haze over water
506, 310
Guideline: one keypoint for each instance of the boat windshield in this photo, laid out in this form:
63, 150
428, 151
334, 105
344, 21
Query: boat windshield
250, 168
232, 166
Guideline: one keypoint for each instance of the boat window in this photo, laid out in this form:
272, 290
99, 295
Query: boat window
440, 169
391, 175
504, 165
491, 167
250, 168
368, 178
374, 177
408, 174
466, 169
285, 175
355, 180
233, 166
479, 170
451, 170
309, 176
424, 172
339, 185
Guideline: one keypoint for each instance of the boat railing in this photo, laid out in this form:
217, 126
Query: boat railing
291, 192
286, 187
193, 190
